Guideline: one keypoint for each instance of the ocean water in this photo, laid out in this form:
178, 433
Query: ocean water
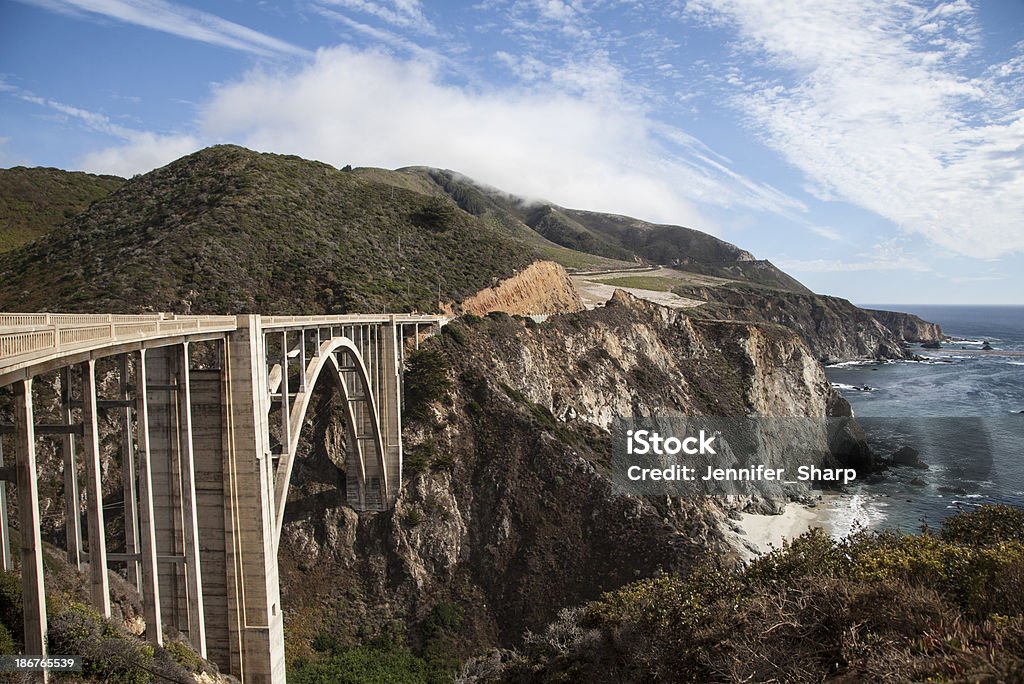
964, 413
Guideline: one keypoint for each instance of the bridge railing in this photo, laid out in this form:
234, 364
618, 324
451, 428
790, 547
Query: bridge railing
278, 322
23, 320
29, 334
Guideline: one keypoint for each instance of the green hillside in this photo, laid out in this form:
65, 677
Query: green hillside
34, 201
616, 240
231, 230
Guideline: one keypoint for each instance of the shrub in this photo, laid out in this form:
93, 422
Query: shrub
363, 664
874, 607
10, 605
184, 656
426, 381
985, 526
109, 653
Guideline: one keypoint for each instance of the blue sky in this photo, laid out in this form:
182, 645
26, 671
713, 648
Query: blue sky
872, 148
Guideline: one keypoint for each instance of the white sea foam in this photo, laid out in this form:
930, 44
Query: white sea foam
846, 364
852, 388
851, 512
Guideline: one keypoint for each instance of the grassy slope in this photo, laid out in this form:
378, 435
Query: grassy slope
609, 241
505, 213
34, 201
230, 230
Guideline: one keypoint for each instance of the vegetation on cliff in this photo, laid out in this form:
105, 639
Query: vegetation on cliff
35, 201
111, 652
939, 606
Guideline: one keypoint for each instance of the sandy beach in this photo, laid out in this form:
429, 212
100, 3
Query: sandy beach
764, 532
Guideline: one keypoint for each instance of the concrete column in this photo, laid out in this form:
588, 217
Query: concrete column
147, 527
33, 600
254, 593
390, 402
193, 573
5, 539
165, 469
128, 478
286, 423
100, 584
72, 513
209, 428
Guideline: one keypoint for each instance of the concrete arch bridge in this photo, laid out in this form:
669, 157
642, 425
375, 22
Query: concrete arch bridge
208, 410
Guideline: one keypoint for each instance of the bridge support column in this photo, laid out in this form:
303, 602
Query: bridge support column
390, 407
147, 526
165, 452
72, 514
128, 478
94, 493
5, 540
254, 601
33, 601
193, 571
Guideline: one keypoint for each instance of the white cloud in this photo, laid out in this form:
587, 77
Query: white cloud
586, 150
887, 255
143, 151
407, 14
138, 151
177, 20
874, 102
836, 265
827, 233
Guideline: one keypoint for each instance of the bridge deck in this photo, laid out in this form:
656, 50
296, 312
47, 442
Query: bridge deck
31, 343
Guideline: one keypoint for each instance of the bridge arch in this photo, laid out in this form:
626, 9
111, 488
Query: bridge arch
363, 431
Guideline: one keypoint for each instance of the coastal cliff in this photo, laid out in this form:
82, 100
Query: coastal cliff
834, 329
509, 512
908, 327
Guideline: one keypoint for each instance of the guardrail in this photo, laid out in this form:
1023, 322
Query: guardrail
27, 334
22, 320
277, 322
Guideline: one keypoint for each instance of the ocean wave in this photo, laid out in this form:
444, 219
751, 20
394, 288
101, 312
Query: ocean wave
861, 362
851, 512
853, 388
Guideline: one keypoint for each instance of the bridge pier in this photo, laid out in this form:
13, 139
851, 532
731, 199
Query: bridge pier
254, 615
32, 594
99, 583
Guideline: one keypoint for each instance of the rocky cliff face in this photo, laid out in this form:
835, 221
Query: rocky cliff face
834, 329
508, 512
542, 287
908, 327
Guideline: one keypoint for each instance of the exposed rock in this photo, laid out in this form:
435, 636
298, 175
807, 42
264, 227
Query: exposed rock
918, 482
906, 456
833, 328
908, 327
542, 287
